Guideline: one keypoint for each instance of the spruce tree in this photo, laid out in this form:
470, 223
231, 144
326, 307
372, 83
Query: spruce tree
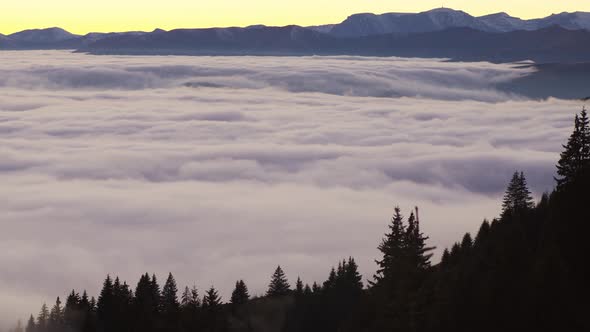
72, 311
517, 197
56, 320
279, 284
105, 309
240, 293
170, 305
576, 154
483, 234
185, 298
315, 288
211, 299
43, 318
352, 276
31, 327
392, 247
418, 253
299, 287
146, 304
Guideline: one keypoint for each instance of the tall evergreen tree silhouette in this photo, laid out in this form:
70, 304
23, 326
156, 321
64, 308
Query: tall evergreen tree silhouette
392, 247
299, 287
105, 309
576, 153
43, 318
517, 198
279, 285
31, 327
211, 299
240, 293
170, 305
146, 304
56, 319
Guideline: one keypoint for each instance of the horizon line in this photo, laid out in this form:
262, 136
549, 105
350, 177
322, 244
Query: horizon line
73, 31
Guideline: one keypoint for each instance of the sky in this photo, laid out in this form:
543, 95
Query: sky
217, 170
82, 16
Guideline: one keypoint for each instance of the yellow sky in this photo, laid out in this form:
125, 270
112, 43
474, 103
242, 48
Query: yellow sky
82, 16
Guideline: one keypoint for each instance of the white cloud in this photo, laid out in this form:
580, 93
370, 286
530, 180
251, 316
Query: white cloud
218, 168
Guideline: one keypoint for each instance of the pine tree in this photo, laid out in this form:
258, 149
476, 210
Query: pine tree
392, 247
298, 287
315, 288
105, 309
483, 233
146, 304
279, 284
517, 198
185, 298
466, 243
576, 154
195, 300
211, 299
418, 253
56, 320
155, 293
43, 318
240, 293
170, 305
31, 327
352, 277
72, 312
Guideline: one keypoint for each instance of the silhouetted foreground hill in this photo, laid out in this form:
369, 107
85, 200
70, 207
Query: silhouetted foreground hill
524, 271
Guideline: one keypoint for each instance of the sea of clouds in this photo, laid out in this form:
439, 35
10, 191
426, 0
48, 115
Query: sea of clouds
220, 168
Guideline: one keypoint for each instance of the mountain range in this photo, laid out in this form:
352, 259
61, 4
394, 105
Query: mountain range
444, 18
442, 32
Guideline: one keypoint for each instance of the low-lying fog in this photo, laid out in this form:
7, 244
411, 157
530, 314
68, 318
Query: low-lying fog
220, 168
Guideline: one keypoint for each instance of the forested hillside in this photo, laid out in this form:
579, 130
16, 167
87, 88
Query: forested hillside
524, 270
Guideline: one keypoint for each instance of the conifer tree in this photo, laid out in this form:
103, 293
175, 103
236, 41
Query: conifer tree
240, 293
195, 300
43, 318
517, 197
576, 153
170, 305
445, 258
211, 299
392, 247
72, 312
483, 233
185, 298
146, 303
352, 276
105, 307
299, 287
279, 284
315, 288
418, 253
56, 320
31, 327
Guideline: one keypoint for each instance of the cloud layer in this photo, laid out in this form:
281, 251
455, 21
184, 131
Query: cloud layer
218, 168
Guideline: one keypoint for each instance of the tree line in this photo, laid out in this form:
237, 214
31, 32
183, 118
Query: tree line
525, 270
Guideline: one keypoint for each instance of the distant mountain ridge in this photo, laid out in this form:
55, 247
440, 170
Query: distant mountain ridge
444, 18
443, 33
